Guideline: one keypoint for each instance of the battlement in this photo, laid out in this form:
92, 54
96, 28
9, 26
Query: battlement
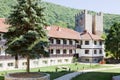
93, 23
85, 12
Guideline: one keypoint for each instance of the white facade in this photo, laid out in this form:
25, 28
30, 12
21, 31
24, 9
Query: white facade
2, 46
9, 64
94, 49
91, 23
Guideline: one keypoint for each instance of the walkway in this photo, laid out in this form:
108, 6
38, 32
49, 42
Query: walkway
74, 74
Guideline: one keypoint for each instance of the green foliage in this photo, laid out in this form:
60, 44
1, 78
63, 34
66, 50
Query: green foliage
75, 60
113, 40
58, 15
26, 36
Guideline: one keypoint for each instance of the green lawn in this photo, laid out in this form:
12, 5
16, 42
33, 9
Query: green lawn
101, 75
51, 70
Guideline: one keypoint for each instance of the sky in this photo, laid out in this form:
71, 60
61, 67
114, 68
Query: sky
105, 6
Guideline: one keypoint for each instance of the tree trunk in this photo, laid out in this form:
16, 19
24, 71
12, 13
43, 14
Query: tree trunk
28, 64
16, 61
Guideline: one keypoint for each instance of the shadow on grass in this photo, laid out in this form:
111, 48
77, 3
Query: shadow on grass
96, 76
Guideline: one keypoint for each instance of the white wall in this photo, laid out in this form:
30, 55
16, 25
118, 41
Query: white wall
34, 63
91, 47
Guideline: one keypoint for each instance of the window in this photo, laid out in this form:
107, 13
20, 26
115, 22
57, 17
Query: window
1, 65
100, 42
59, 60
95, 51
81, 42
58, 51
51, 40
51, 51
10, 64
64, 51
70, 42
70, 51
87, 60
66, 60
35, 62
64, 41
100, 51
95, 60
76, 41
95, 42
24, 63
86, 42
51, 60
44, 61
86, 51
58, 41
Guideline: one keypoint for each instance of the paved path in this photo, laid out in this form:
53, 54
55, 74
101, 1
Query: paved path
74, 74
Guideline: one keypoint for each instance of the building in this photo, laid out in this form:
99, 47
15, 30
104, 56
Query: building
91, 29
92, 23
92, 48
62, 49
62, 41
3, 29
85, 43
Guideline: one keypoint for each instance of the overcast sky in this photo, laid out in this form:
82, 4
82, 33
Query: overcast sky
105, 6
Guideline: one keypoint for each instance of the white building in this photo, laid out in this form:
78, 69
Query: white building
91, 49
86, 44
91, 29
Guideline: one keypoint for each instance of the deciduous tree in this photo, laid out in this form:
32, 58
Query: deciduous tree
113, 40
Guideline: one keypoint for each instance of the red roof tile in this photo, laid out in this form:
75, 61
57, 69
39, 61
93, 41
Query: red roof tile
87, 36
3, 26
59, 32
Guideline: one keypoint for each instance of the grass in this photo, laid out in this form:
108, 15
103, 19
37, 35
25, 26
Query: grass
51, 70
102, 75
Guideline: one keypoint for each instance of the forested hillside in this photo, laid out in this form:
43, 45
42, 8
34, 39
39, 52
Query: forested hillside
58, 15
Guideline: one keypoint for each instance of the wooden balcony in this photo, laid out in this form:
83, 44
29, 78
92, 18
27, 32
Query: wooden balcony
61, 55
62, 46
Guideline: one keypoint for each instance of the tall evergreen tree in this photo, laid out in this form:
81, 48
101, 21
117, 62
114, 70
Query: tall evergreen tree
113, 40
26, 36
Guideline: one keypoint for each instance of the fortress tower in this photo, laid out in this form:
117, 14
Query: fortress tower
92, 23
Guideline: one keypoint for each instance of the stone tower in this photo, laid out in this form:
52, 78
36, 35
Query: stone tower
92, 23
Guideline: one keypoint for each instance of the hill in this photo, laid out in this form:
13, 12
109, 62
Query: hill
58, 15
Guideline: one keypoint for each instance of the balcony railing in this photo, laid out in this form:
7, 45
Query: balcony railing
62, 46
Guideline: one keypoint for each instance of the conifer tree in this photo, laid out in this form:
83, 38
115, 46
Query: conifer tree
26, 36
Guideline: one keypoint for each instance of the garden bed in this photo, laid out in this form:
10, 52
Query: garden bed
27, 76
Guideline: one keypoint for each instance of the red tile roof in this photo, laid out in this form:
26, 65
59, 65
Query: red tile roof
59, 32
87, 36
3, 26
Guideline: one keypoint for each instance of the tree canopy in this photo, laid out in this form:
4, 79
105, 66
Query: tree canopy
113, 40
26, 36
59, 15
